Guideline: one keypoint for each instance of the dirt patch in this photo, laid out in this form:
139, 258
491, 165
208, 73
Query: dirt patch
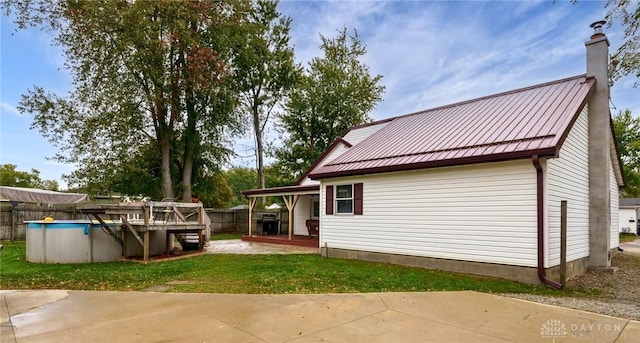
159, 288
237, 246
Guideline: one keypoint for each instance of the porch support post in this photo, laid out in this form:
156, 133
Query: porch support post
291, 201
252, 203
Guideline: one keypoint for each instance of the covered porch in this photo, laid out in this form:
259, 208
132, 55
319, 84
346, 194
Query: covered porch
302, 203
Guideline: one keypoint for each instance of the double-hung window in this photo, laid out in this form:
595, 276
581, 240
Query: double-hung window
344, 199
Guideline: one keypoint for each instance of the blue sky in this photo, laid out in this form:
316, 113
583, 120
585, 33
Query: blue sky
430, 53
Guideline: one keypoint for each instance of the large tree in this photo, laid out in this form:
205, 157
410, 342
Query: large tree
145, 72
336, 92
627, 129
625, 62
627, 57
266, 71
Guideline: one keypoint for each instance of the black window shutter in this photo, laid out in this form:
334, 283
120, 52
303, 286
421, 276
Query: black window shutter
357, 197
329, 199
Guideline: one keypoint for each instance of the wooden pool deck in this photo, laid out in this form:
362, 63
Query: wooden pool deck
141, 218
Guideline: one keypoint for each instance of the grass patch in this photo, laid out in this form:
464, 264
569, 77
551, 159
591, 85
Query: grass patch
225, 236
627, 237
247, 274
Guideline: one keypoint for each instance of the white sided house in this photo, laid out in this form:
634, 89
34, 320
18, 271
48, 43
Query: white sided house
629, 215
484, 186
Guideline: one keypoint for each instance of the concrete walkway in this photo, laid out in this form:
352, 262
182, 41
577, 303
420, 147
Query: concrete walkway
237, 246
85, 316
632, 247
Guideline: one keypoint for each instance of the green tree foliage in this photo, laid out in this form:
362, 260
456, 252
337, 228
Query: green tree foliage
335, 93
627, 13
10, 176
266, 71
627, 129
145, 72
213, 190
138, 175
275, 178
240, 179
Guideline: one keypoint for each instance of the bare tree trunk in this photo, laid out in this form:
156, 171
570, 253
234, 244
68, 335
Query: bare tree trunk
257, 128
187, 170
191, 143
165, 165
260, 157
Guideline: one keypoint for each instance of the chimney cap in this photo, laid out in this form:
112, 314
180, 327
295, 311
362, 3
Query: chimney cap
597, 28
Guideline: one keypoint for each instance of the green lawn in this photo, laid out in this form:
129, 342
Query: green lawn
252, 274
627, 237
225, 236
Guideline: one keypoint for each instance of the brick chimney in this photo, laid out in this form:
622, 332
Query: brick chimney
599, 149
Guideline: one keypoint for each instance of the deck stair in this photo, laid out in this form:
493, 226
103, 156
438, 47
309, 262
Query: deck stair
189, 241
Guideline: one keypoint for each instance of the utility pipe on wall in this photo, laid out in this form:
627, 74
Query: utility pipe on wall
540, 205
563, 241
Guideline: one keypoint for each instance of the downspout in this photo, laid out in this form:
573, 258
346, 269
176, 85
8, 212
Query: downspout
540, 205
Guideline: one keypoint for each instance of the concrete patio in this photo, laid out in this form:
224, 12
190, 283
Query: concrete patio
237, 246
85, 316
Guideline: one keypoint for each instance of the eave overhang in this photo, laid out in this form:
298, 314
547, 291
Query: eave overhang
279, 191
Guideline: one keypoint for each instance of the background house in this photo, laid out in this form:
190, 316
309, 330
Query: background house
629, 214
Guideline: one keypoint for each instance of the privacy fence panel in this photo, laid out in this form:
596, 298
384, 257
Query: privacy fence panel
12, 219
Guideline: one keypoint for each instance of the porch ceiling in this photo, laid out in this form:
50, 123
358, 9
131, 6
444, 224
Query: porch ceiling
282, 191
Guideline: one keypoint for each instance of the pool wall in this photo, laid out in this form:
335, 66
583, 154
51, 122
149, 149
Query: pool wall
157, 244
70, 241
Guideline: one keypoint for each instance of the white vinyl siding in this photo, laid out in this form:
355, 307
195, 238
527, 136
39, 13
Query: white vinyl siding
615, 207
627, 219
338, 150
353, 137
568, 179
308, 182
356, 136
301, 213
482, 213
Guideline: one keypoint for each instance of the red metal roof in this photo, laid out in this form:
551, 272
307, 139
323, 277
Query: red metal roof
516, 124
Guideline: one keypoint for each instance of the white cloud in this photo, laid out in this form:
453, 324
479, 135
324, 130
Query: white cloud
7, 108
435, 53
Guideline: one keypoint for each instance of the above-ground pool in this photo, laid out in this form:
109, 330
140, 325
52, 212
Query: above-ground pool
70, 241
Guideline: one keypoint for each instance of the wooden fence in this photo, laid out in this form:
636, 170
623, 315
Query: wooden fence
13, 227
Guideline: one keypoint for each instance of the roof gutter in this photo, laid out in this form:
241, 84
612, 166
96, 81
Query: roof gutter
540, 205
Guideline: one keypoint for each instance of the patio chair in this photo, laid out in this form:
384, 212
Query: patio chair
313, 226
